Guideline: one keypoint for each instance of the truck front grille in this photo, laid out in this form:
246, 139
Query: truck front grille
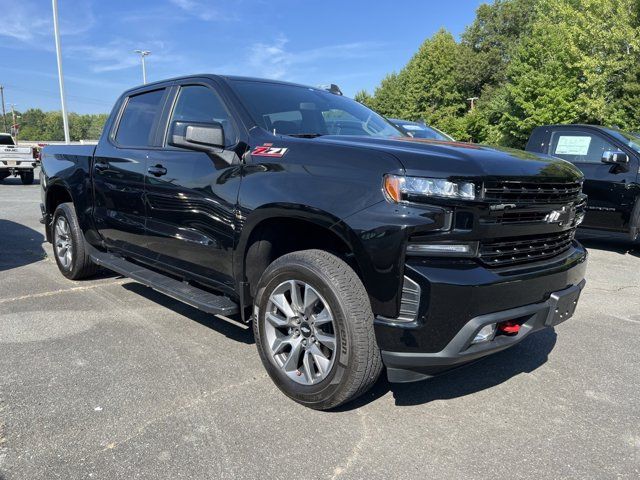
530, 192
519, 250
510, 218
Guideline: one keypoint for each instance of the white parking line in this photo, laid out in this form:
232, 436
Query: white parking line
63, 290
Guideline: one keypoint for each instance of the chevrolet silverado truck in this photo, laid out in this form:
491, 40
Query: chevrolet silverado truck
609, 158
350, 246
16, 160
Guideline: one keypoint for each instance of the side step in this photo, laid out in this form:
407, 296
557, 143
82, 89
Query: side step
196, 297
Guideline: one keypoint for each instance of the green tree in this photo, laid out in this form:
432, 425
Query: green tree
492, 38
36, 125
431, 86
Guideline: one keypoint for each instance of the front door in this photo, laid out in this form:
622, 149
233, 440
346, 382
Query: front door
119, 172
607, 186
191, 196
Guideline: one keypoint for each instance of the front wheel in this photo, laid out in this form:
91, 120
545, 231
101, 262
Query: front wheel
314, 329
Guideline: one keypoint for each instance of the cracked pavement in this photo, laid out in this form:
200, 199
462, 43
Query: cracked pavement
106, 379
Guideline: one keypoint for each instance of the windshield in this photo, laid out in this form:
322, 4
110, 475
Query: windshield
631, 139
422, 131
6, 140
304, 111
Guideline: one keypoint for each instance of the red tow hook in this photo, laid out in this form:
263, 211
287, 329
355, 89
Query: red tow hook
508, 328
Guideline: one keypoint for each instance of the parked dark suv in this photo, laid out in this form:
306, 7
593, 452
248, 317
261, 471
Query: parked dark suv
610, 160
349, 244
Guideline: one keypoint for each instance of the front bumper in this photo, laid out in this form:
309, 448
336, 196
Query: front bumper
458, 299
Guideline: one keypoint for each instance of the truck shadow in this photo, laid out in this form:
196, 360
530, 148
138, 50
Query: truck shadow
610, 242
17, 182
481, 375
19, 245
232, 328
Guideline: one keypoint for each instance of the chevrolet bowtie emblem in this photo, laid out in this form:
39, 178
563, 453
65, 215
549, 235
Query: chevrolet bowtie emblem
553, 216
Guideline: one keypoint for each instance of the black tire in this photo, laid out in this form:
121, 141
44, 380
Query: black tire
27, 177
81, 265
3, 175
357, 364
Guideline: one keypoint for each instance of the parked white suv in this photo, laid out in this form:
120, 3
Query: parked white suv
15, 160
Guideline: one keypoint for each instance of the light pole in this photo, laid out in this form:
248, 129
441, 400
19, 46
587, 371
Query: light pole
473, 102
4, 112
63, 101
143, 53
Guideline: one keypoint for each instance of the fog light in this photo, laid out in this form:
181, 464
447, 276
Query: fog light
485, 334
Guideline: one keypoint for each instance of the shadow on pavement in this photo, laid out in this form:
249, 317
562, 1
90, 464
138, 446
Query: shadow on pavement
611, 242
19, 245
235, 331
16, 181
481, 375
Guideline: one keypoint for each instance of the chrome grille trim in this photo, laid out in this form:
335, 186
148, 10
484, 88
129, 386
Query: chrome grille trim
509, 191
519, 250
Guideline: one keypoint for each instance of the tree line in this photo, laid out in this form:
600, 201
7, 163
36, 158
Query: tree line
525, 63
36, 125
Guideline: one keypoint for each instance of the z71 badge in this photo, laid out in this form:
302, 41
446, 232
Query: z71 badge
268, 150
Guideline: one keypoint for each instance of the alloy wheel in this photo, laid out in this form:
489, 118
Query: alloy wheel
63, 242
300, 332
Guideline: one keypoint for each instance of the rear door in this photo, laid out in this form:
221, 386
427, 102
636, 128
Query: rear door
192, 195
119, 172
606, 185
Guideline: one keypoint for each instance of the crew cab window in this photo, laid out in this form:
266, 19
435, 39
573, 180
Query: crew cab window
578, 146
138, 121
6, 140
197, 103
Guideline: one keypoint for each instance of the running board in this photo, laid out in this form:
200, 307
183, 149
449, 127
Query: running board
196, 297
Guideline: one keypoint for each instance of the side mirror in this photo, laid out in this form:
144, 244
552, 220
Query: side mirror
615, 157
200, 136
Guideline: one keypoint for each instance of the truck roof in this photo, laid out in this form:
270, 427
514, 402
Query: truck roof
222, 77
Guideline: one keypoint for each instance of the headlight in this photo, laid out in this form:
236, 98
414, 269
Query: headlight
405, 189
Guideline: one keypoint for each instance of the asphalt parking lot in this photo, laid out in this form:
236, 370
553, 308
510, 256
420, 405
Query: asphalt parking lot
106, 379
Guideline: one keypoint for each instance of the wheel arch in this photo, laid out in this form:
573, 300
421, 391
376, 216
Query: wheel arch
55, 194
274, 231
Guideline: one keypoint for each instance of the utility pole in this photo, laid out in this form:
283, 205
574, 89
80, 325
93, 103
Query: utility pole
14, 124
143, 53
473, 101
4, 112
63, 101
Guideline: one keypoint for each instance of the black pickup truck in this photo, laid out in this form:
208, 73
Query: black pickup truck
610, 161
350, 245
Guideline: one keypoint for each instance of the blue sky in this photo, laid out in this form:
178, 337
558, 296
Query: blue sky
352, 43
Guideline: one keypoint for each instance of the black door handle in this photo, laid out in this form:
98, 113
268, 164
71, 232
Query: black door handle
101, 166
157, 171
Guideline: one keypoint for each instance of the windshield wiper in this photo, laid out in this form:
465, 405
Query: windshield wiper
305, 135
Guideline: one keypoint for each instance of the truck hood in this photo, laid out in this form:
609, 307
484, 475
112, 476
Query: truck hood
440, 159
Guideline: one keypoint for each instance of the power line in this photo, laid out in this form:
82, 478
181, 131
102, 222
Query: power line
51, 94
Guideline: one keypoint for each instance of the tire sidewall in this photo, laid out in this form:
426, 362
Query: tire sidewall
332, 385
65, 211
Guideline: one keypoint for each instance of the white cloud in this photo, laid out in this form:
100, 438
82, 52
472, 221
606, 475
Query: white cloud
275, 60
118, 54
199, 9
28, 22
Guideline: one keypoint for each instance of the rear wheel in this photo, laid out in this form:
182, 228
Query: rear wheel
314, 329
27, 177
69, 246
